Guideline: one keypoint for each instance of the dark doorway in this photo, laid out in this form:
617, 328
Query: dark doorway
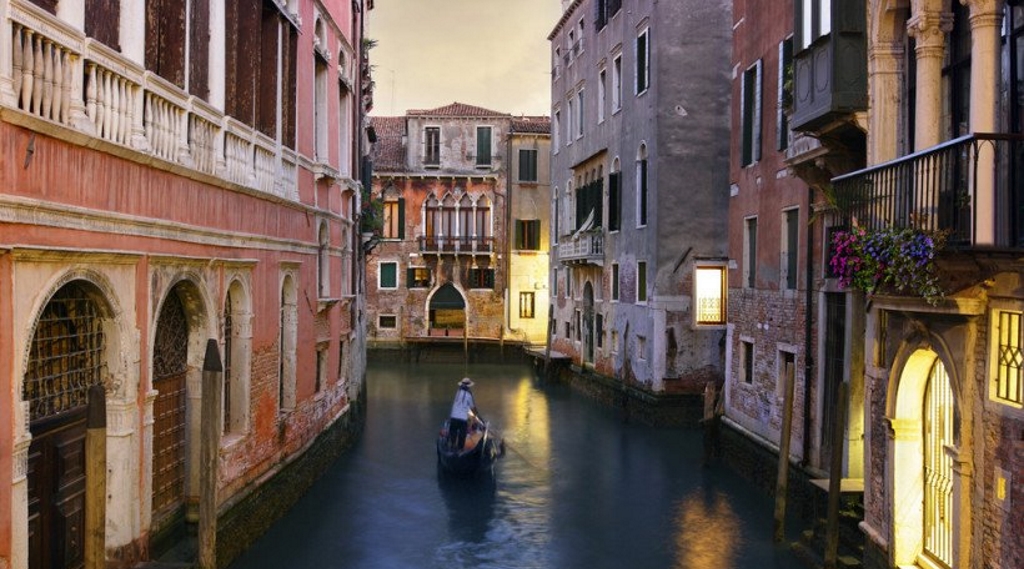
65, 360
170, 366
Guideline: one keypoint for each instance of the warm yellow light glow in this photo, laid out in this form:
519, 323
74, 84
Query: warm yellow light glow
718, 538
709, 283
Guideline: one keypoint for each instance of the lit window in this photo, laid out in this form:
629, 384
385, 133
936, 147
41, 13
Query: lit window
710, 296
526, 305
394, 219
418, 277
1008, 386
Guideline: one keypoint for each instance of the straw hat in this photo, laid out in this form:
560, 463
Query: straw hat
466, 382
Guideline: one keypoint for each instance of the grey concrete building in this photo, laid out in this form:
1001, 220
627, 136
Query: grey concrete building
640, 162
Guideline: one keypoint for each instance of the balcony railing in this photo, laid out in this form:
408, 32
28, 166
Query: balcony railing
582, 247
458, 244
59, 75
971, 188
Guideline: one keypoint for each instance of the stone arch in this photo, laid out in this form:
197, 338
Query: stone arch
446, 309
74, 329
924, 366
177, 401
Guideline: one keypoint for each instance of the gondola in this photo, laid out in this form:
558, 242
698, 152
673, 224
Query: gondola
477, 456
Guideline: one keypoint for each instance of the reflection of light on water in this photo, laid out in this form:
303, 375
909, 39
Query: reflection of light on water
516, 532
527, 430
707, 532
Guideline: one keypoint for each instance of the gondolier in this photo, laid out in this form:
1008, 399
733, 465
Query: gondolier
463, 409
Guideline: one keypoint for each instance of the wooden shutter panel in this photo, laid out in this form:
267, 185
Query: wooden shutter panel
401, 218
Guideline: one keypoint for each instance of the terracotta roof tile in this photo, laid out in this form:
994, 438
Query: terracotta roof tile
388, 151
538, 125
456, 110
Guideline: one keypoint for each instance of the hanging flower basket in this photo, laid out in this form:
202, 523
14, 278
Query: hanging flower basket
898, 261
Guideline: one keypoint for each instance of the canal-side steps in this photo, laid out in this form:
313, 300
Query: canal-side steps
811, 546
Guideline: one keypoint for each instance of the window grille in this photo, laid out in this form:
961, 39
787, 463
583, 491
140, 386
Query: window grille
1009, 384
938, 467
66, 357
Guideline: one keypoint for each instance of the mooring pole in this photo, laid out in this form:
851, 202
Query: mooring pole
96, 479
782, 483
835, 480
210, 441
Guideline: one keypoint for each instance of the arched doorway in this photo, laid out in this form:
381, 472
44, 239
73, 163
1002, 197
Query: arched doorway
588, 323
66, 358
170, 370
922, 470
447, 312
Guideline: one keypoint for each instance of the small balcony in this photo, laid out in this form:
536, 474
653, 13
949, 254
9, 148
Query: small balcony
583, 247
456, 245
970, 188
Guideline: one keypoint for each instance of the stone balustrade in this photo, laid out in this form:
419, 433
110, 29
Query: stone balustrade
58, 75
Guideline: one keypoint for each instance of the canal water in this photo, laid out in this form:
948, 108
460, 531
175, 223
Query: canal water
579, 487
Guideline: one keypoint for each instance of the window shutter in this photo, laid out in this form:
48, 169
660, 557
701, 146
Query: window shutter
643, 192
410, 276
614, 193
757, 111
401, 218
519, 234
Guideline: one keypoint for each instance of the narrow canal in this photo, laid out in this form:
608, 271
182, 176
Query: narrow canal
578, 487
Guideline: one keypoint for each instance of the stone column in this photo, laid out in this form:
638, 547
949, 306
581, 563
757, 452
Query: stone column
884, 76
929, 29
986, 20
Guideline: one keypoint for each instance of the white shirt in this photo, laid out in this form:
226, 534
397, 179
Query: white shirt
462, 404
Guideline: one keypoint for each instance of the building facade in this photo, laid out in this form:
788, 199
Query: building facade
185, 192
915, 119
640, 190
454, 184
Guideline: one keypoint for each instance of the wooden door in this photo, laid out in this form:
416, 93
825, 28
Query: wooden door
56, 492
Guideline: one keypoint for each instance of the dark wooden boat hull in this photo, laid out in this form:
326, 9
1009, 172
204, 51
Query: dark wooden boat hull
479, 458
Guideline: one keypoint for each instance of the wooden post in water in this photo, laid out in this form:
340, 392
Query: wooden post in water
210, 416
835, 479
96, 479
782, 483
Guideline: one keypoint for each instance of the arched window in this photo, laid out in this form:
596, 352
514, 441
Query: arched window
466, 219
483, 223
431, 222
237, 349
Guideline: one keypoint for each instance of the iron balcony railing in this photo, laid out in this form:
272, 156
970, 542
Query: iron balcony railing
457, 244
970, 188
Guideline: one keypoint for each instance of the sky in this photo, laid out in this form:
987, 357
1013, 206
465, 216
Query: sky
488, 53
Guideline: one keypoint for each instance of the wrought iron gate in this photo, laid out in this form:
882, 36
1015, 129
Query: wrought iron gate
65, 360
835, 366
170, 362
